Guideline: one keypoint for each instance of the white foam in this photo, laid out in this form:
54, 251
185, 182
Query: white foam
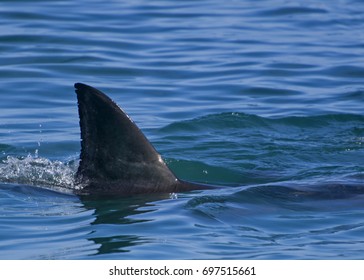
38, 171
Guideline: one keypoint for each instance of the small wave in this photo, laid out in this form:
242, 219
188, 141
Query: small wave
294, 10
38, 171
244, 149
233, 122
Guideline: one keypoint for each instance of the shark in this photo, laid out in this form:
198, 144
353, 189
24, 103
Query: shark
116, 158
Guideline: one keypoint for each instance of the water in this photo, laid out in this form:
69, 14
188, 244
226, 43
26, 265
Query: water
264, 98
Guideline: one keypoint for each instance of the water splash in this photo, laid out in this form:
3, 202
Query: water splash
38, 171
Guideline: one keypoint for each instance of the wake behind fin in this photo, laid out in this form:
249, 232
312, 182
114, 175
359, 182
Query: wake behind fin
116, 157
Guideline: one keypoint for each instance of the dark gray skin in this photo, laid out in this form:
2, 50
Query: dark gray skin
116, 158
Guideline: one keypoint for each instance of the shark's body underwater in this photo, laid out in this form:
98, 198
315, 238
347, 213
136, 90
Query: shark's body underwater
116, 157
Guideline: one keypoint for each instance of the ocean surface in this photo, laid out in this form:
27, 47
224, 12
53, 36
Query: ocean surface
263, 98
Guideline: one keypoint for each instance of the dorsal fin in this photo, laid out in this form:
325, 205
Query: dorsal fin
115, 154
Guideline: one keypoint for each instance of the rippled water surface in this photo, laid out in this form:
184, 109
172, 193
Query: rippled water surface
264, 98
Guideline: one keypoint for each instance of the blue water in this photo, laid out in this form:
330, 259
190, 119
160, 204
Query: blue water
264, 98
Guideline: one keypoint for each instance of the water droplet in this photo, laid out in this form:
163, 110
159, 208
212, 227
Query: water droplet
173, 196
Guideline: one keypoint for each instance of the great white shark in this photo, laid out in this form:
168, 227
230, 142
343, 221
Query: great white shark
116, 157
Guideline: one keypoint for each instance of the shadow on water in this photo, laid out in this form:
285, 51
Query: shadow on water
63, 225
133, 227
121, 225
112, 213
